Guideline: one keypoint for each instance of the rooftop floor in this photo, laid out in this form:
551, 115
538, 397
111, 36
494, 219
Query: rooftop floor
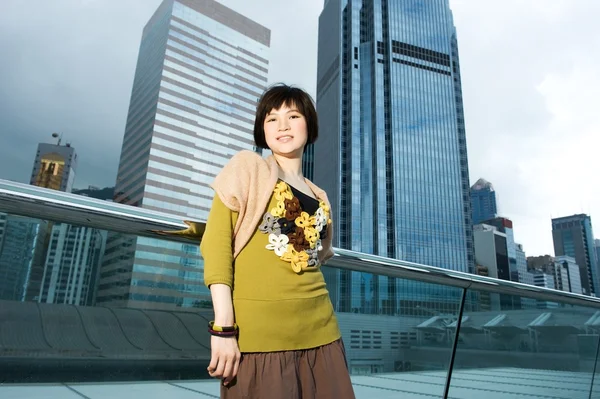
494, 383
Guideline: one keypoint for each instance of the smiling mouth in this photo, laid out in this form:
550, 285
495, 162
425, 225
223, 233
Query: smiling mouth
284, 138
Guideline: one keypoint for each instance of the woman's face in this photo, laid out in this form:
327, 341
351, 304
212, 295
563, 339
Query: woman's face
285, 131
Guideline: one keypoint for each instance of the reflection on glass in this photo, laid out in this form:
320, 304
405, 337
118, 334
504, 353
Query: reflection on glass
403, 347
530, 353
81, 304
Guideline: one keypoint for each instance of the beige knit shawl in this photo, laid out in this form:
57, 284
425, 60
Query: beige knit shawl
245, 185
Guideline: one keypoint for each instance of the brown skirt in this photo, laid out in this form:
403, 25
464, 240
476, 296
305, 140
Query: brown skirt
317, 373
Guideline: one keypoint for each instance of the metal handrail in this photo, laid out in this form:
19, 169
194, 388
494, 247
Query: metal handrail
36, 202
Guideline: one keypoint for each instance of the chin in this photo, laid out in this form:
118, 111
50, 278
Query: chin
288, 153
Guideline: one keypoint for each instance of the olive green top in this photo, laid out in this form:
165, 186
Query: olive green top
279, 295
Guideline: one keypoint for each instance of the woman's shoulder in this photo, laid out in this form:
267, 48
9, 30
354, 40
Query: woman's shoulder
238, 177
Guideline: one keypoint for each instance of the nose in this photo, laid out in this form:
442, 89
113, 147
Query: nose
283, 124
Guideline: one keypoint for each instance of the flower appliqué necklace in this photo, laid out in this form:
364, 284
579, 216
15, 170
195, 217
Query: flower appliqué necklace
294, 235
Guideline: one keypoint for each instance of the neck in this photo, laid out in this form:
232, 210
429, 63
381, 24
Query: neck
290, 169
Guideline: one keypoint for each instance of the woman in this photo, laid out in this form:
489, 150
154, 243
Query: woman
269, 230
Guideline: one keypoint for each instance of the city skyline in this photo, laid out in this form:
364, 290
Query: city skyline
536, 96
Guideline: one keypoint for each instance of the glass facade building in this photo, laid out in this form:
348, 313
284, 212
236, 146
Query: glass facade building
71, 267
573, 236
505, 226
201, 69
392, 152
483, 201
23, 244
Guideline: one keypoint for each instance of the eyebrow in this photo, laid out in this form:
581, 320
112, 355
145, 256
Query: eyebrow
290, 111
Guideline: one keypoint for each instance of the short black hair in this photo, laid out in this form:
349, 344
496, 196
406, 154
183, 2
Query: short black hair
274, 98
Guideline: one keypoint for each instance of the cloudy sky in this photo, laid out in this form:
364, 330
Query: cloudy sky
529, 72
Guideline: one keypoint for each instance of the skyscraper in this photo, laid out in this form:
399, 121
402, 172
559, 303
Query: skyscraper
597, 250
72, 264
573, 236
54, 167
483, 201
505, 226
201, 69
392, 153
22, 254
491, 253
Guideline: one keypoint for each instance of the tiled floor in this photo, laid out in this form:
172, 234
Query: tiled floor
500, 383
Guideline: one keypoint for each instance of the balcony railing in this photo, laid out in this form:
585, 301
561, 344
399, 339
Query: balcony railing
95, 291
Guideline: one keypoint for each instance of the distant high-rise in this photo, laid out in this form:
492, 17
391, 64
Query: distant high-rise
545, 280
392, 153
54, 167
71, 266
573, 236
201, 69
483, 201
505, 226
492, 255
597, 250
571, 268
23, 243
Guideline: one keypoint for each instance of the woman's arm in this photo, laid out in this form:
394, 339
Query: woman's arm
218, 276
225, 353
222, 304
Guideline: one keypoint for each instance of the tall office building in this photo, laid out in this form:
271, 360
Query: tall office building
544, 280
505, 226
597, 250
564, 269
392, 153
525, 277
573, 236
72, 264
571, 268
54, 167
23, 244
201, 69
483, 201
492, 255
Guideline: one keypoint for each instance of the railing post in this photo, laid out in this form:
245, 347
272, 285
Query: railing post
455, 343
595, 365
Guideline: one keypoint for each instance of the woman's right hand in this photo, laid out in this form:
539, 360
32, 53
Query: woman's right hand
225, 358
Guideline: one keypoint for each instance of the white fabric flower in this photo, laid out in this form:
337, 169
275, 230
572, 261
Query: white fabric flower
321, 220
319, 246
278, 243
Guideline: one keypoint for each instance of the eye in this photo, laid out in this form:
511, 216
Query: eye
270, 119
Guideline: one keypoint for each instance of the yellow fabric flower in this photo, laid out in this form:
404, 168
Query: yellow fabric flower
279, 210
312, 235
281, 187
282, 196
299, 260
304, 220
324, 206
282, 192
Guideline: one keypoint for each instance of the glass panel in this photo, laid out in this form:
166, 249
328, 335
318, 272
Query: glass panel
515, 346
83, 304
596, 385
397, 333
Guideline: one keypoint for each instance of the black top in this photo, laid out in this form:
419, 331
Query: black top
308, 205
